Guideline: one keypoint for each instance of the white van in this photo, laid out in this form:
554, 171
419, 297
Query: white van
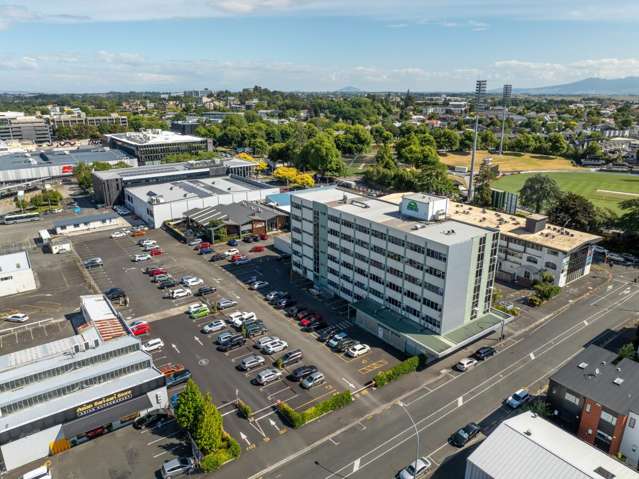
42, 472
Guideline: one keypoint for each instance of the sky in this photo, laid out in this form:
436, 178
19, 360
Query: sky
312, 45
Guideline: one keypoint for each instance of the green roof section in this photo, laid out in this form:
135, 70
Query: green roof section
437, 344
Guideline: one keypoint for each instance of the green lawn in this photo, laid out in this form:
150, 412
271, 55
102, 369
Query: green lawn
585, 184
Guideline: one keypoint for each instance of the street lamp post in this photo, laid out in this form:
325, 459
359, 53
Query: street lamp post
480, 105
508, 91
403, 406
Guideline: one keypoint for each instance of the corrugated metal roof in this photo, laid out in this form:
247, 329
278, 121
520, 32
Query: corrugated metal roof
85, 219
529, 447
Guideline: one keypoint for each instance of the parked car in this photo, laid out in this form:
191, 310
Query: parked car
154, 271
275, 347
291, 357
256, 330
115, 293
150, 247
156, 252
178, 378
177, 467
137, 233
191, 280
229, 253
195, 242
344, 345
302, 314
312, 380
205, 290
224, 337
416, 469
294, 309
314, 326
200, 313
241, 260
232, 242
285, 303
326, 334
147, 242
204, 251
518, 398
268, 376
217, 257
260, 343
462, 436
180, 293
257, 249
167, 283
17, 318
93, 263
259, 285
138, 328
300, 373
213, 326
225, 303
140, 257
251, 362
310, 319
118, 234
247, 239
485, 352
465, 364
358, 350
233, 343
263, 236
204, 245
273, 295
250, 280
151, 420
153, 345
194, 307
160, 277
238, 318
335, 340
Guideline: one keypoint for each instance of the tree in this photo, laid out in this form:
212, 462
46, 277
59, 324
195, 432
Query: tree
574, 211
557, 144
285, 173
629, 219
434, 179
354, 140
218, 231
446, 139
208, 432
538, 192
384, 157
82, 174
304, 179
322, 155
483, 193
189, 406
627, 351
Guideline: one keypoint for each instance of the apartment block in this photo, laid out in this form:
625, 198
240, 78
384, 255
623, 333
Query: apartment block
17, 126
415, 278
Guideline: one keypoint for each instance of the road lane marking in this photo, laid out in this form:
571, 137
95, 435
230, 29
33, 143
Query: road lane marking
356, 465
198, 340
532, 355
176, 348
460, 401
244, 438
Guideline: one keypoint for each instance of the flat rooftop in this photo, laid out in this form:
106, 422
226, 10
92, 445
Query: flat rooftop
169, 169
13, 262
153, 137
529, 447
22, 160
201, 188
447, 232
437, 345
82, 220
554, 237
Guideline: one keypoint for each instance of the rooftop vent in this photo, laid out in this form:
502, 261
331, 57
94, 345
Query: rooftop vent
528, 432
618, 381
361, 204
597, 371
582, 365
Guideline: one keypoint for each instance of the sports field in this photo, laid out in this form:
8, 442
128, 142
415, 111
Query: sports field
511, 161
603, 189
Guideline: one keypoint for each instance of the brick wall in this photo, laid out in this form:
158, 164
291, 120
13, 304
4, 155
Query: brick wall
589, 421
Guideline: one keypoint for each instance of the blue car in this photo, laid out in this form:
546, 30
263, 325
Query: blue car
174, 400
178, 378
232, 242
206, 251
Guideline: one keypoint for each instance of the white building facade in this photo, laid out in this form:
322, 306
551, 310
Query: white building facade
16, 275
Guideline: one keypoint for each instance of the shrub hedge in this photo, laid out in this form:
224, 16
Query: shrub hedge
245, 409
407, 366
229, 451
297, 419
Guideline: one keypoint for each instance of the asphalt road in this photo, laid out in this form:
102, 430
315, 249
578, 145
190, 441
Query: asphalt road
381, 443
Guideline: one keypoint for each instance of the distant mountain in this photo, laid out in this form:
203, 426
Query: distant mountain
349, 89
589, 86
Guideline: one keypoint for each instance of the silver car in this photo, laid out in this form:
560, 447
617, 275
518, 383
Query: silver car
268, 376
177, 467
250, 362
416, 469
312, 380
213, 326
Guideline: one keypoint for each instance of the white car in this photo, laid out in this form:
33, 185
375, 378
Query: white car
259, 285
141, 257
358, 350
153, 345
17, 318
118, 234
237, 318
518, 398
213, 326
195, 242
275, 347
194, 307
231, 252
180, 293
149, 247
416, 469
465, 364
260, 343
191, 280
147, 242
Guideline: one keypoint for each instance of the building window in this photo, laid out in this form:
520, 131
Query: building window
588, 407
609, 418
532, 259
631, 422
550, 265
572, 398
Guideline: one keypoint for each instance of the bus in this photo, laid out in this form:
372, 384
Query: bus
19, 217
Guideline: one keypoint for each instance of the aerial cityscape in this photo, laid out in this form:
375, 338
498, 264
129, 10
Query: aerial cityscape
285, 239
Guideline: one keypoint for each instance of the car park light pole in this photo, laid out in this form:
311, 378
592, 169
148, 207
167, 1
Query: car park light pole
403, 406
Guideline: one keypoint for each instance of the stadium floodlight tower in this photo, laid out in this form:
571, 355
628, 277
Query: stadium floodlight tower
508, 93
480, 106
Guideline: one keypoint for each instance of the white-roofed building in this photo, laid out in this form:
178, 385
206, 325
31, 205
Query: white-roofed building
529, 447
16, 275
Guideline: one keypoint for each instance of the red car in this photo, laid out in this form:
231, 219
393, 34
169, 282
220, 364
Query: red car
157, 271
203, 245
311, 318
303, 314
140, 327
263, 236
257, 249
156, 252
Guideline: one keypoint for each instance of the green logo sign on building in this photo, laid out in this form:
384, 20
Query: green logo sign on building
412, 206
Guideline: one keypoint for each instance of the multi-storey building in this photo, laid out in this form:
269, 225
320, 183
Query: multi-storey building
152, 146
80, 118
528, 246
17, 126
417, 279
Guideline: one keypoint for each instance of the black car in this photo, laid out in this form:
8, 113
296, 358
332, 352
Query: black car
292, 357
344, 344
293, 310
255, 238
151, 420
167, 283
256, 331
300, 373
284, 257
217, 257
314, 326
247, 239
285, 303
235, 343
461, 437
326, 334
279, 298
115, 293
485, 352
204, 290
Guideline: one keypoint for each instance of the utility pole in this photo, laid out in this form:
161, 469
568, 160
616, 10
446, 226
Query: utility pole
508, 91
480, 106
403, 406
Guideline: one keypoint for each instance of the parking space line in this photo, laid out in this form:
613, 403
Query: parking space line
271, 384
174, 433
330, 391
270, 396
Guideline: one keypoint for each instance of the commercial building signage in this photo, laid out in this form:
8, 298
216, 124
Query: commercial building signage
103, 403
67, 169
412, 206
